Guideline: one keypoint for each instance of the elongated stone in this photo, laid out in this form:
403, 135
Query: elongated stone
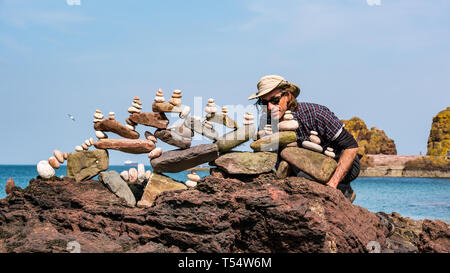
116, 185
157, 120
222, 119
10, 184
165, 107
112, 125
59, 156
283, 170
132, 146
318, 166
274, 141
195, 124
172, 138
180, 160
247, 162
158, 184
312, 146
235, 138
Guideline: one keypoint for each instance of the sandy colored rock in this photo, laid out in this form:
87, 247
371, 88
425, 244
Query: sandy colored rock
158, 184
165, 107
87, 164
112, 125
132, 175
312, 146
53, 162
59, 156
132, 146
157, 120
155, 153
180, 160
318, 166
274, 141
10, 184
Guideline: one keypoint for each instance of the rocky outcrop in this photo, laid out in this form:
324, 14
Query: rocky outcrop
439, 139
219, 215
373, 141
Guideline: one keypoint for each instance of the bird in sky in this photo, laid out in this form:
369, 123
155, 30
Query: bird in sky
71, 117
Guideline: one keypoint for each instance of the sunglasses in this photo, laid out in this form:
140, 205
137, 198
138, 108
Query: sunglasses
274, 100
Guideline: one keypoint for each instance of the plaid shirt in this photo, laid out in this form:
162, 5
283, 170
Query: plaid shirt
315, 117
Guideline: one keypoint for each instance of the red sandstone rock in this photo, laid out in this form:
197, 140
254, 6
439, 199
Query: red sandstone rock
157, 120
112, 125
132, 146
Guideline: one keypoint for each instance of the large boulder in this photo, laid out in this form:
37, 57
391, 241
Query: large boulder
159, 183
116, 185
246, 162
439, 139
87, 164
318, 166
373, 141
180, 160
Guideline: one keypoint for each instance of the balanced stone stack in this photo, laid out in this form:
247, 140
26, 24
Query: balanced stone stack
46, 168
314, 145
193, 179
136, 176
239, 136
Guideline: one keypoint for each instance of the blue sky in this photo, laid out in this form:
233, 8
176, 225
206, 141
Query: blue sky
388, 64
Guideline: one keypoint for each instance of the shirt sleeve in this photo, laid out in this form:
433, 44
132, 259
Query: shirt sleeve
345, 141
330, 127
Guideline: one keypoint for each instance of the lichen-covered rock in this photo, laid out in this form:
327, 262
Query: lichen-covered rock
87, 164
274, 141
246, 162
439, 139
159, 183
319, 166
373, 141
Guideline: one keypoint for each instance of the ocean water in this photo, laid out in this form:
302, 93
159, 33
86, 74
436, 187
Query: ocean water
418, 198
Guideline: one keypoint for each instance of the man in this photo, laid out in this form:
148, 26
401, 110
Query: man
279, 95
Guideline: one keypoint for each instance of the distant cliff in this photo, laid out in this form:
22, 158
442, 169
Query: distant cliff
373, 141
439, 139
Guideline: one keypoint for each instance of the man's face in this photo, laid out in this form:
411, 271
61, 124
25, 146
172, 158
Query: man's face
276, 110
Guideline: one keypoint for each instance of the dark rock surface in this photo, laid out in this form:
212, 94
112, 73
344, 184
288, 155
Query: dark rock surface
219, 215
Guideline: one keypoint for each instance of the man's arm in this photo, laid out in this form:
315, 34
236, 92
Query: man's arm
344, 164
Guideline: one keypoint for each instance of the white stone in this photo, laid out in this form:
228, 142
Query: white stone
248, 122
87, 142
97, 120
141, 173
330, 149
314, 133
98, 116
177, 91
191, 184
330, 154
148, 174
312, 146
314, 139
84, 146
160, 99
131, 127
224, 109
210, 109
45, 170
137, 106
210, 100
125, 175
100, 135
185, 112
155, 153
132, 110
78, 148
288, 125
193, 177
249, 117
91, 140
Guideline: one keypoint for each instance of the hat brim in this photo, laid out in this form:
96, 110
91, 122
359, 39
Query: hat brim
295, 93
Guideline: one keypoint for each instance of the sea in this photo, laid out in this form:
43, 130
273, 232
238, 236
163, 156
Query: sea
417, 198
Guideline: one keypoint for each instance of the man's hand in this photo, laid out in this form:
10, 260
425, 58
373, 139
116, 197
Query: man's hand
344, 164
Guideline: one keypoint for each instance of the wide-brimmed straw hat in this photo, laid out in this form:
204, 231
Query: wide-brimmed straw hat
270, 82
